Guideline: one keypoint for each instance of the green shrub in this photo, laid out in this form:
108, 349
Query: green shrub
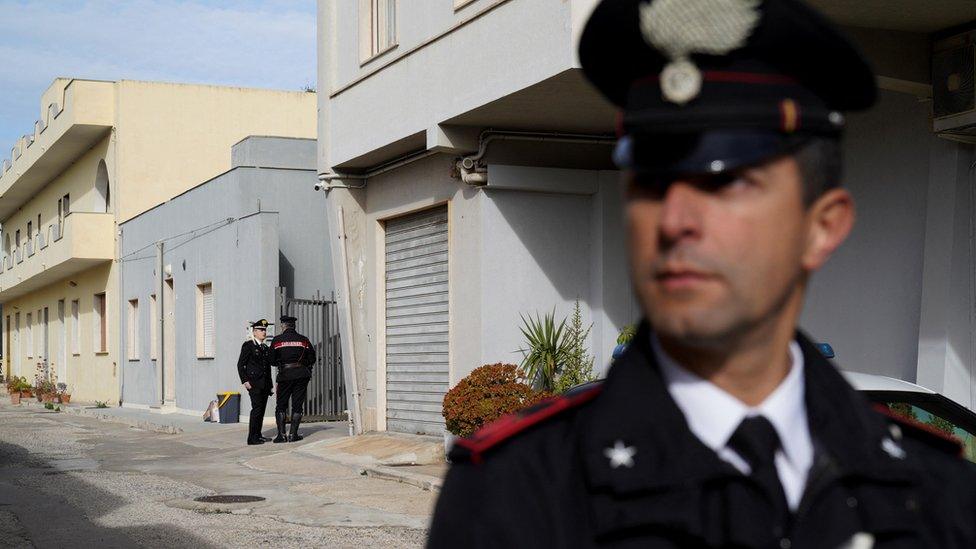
548, 348
578, 368
101, 404
627, 334
486, 394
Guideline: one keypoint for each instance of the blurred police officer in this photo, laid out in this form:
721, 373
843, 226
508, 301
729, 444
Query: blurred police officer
293, 355
254, 368
721, 425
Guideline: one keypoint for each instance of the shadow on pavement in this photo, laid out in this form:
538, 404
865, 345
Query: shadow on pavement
59, 509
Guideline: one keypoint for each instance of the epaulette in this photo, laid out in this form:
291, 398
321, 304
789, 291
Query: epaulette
502, 429
906, 427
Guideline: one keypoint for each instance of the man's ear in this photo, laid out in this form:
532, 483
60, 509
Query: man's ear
829, 220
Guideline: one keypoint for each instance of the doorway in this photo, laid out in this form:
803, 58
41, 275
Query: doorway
169, 343
62, 365
46, 347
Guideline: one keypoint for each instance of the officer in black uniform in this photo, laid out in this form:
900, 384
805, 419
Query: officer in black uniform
721, 425
293, 355
254, 369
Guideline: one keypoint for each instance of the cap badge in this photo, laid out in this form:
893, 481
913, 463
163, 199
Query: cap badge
679, 28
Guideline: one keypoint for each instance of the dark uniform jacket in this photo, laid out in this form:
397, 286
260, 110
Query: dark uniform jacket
542, 479
254, 365
291, 347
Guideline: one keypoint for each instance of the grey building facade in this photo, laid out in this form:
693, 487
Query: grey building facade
198, 267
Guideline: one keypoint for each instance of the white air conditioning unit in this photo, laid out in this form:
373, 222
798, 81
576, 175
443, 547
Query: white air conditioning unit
954, 87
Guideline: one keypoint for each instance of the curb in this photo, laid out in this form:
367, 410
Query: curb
424, 482
145, 425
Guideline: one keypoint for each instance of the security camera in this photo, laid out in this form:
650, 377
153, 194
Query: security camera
320, 186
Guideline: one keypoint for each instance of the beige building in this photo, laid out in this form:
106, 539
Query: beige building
102, 153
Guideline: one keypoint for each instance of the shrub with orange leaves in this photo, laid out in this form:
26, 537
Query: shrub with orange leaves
488, 393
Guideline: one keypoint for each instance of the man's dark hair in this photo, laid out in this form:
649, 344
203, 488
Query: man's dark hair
289, 324
821, 166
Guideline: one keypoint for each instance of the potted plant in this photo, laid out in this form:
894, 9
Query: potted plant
64, 397
26, 390
486, 394
45, 390
13, 389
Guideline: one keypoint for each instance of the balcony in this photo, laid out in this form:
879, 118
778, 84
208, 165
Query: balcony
81, 242
67, 130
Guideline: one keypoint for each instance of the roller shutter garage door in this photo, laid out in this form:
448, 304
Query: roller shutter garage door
417, 321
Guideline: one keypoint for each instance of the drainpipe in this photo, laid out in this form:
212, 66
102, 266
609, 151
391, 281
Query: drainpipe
326, 179
122, 301
473, 170
160, 337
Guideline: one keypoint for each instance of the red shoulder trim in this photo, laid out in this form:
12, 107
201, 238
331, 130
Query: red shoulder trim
923, 432
508, 426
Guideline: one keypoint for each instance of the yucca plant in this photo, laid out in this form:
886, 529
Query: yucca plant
547, 349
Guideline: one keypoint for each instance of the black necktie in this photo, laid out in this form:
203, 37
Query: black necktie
756, 441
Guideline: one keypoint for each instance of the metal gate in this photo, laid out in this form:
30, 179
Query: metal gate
318, 320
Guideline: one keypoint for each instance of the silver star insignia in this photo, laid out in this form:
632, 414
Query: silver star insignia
620, 454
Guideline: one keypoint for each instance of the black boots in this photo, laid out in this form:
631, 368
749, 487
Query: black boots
280, 420
293, 436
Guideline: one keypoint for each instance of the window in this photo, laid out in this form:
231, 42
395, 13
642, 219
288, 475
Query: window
153, 326
132, 330
30, 335
75, 328
98, 325
377, 27
205, 321
17, 237
65, 201
30, 230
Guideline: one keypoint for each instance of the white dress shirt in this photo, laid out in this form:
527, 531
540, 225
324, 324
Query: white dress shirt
713, 415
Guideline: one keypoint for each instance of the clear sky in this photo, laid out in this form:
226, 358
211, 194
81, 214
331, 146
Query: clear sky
268, 44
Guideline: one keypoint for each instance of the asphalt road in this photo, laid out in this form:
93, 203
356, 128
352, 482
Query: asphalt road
72, 481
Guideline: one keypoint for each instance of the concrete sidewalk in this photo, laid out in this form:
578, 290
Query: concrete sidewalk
411, 459
147, 420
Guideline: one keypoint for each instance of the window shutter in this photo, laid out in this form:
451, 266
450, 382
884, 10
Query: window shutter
208, 320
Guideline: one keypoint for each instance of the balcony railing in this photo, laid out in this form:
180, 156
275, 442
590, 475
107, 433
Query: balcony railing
30, 247
20, 255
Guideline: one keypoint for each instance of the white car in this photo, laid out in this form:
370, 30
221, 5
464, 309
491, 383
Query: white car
920, 404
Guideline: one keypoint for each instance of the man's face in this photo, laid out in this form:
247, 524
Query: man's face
260, 334
713, 257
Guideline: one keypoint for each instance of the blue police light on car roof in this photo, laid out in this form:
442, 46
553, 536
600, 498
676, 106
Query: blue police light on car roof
826, 350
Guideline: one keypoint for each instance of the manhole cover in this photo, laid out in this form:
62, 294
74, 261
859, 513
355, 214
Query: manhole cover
228, 499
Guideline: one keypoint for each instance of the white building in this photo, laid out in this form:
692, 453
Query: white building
439, 258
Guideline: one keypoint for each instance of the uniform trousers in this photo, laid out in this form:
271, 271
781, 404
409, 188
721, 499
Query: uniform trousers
259, 403
294, 390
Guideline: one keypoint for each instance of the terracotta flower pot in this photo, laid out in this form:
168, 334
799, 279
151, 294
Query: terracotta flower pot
26, 394
15, 398
64, 399
47, 397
